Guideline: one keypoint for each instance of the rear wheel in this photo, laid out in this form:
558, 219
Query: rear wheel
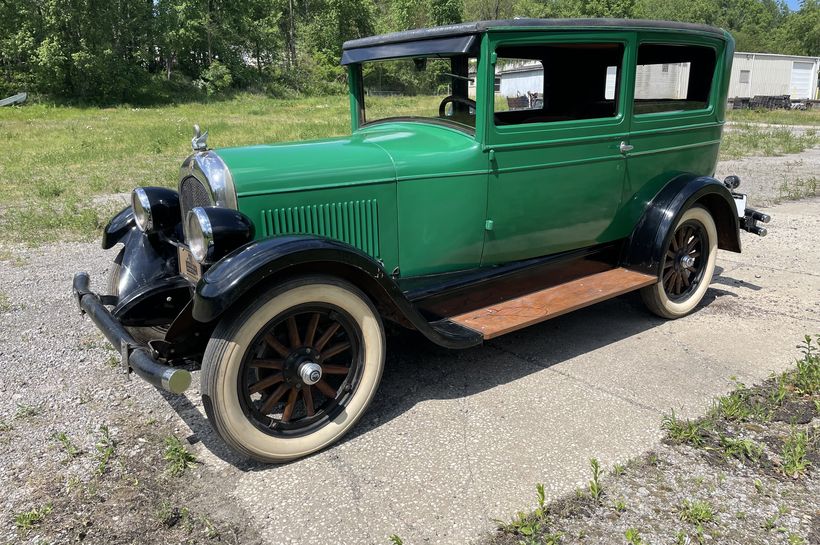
687, 266
293, 372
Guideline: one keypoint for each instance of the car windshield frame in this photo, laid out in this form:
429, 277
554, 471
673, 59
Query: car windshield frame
462, 69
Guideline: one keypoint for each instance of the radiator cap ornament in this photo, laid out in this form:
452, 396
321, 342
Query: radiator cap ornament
200, 141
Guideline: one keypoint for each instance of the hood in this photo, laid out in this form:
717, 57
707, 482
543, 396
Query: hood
274, 168
375, 154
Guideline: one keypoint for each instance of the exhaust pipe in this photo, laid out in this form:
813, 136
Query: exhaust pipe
135, 356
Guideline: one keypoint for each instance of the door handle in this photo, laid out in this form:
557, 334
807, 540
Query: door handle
626, 147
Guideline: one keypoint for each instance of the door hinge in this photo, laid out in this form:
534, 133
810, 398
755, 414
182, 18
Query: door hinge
489, 225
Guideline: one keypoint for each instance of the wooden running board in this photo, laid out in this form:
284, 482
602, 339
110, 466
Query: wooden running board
515, 314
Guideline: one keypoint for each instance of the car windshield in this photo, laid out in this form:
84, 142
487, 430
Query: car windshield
433, 89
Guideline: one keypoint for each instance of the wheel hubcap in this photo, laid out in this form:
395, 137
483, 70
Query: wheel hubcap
310, 372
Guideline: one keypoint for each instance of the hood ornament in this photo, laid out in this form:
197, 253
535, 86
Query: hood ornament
200, 141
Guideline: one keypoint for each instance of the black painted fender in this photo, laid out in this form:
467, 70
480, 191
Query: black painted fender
118, 227
650, 238
260, 264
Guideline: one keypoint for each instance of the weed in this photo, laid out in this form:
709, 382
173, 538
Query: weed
396, 540
758, 486
684, 431
5, 426
807, 375
633, 537
619, 505
25, 410
794, 453
681, 538
541, 510
735, 406
797, 188
594, 487
5, 303
696, 512
817, 405
178, 457
742, 449
529, 525
71, 450
794, 539
105, 446
618, 469
27, 520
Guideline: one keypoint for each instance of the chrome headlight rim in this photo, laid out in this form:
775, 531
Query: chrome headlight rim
141, 205
199, 234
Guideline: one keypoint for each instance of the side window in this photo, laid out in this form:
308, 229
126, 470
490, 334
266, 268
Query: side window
561, 82
673, 78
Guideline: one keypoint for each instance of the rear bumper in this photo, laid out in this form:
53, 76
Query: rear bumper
135, 357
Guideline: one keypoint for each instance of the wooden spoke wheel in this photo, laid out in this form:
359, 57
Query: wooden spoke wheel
293, 371
300, 370
685, 260
687, 266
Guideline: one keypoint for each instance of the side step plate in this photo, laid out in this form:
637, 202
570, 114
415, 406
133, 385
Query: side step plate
538, 306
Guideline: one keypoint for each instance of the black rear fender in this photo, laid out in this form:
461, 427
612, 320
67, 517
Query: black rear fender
650, 238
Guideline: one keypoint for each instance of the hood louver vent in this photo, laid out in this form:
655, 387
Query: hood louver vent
353, 222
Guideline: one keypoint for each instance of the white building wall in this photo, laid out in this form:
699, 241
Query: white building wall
769, 74
516, 84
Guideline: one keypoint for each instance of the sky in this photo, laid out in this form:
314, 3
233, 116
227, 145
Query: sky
794, 5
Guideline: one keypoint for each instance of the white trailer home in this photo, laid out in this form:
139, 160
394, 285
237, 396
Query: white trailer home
771, 74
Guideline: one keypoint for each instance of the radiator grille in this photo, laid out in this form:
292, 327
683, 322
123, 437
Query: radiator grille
192, 194
353, 222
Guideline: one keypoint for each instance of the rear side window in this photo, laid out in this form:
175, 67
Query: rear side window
561, 82
673, 78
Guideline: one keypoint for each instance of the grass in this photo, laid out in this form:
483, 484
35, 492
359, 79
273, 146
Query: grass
29, 519
747, 140
105, 447
68, 446
795, 448
178, 457
697, 512
5, 303
775, 117
684, 431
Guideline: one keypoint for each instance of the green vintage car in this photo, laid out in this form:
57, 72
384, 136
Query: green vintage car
498, 174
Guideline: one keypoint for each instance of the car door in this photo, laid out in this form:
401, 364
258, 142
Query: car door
556, 167
677, 117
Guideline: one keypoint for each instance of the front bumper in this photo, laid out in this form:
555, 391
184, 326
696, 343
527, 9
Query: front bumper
135, 357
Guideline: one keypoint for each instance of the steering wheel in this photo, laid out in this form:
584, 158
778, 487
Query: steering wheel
452, 98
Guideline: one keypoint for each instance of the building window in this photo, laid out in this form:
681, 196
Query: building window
497, 85
673, 78
548, 83
744, 76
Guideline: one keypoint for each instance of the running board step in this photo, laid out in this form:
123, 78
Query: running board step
538, 306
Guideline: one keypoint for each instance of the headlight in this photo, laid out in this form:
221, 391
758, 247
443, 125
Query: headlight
212, 232
155, 208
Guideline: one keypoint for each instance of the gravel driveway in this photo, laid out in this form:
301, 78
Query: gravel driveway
453, 440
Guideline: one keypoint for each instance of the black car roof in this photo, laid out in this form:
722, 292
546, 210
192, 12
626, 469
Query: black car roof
458, 38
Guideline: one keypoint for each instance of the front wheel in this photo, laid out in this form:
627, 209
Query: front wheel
292, 372
687, 266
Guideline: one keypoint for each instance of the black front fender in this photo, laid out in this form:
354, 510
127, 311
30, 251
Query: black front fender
119, 226
260, 263
651, 235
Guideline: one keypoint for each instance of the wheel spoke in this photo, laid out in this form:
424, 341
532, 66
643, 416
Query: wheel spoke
685, 277
311, 330
668, 275
265, 383
267, 364
326, 389
335, 349
669, 263
335, 370
670, 254
290, 405
327, 335
692, 244
678, 283
276, 345
694, 254
674, 242
307, 397
293, 333
274, 397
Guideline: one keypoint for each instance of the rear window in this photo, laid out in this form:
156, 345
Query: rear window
673, 78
